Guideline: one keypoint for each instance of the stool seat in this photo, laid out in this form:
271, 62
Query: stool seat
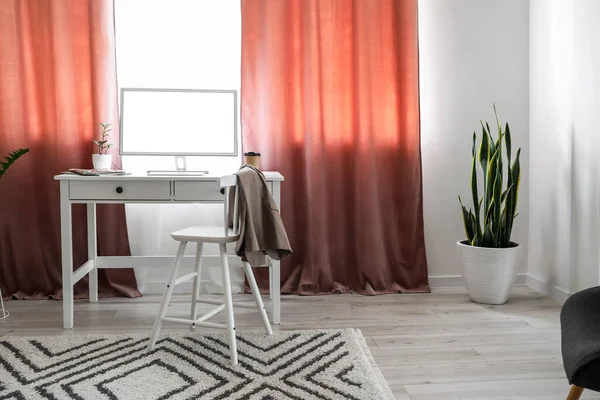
207, 234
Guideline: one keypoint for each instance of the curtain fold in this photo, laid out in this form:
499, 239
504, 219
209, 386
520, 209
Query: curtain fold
57, 83
330, 99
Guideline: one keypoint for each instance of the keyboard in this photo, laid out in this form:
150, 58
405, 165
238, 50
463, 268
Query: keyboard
176, 173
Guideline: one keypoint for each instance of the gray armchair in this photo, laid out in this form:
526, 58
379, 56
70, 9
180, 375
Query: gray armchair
580, 332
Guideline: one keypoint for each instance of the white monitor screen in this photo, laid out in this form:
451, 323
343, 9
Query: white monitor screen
178, 122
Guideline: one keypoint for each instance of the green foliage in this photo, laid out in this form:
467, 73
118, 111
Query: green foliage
103, 144
10, 160
491, 226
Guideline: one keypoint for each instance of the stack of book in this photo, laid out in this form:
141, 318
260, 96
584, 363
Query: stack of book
96, 172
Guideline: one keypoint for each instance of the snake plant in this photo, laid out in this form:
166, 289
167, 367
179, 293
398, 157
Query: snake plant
10, 159
490, 222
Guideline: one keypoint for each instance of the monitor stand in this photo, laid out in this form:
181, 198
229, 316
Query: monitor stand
180, 169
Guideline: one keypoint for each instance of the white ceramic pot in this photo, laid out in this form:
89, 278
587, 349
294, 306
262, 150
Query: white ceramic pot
102, 161
489, 273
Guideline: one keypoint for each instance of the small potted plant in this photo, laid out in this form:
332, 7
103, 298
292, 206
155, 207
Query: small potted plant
489, 258
103, 160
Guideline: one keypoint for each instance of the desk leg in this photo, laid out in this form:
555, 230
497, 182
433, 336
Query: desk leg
92, 251
270, 280
276, 292
66, 238
274, 273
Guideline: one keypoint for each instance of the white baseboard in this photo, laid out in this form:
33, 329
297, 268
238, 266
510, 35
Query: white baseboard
435, 281
557, 293
448, 281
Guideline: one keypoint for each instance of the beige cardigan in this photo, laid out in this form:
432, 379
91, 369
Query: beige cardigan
261, 228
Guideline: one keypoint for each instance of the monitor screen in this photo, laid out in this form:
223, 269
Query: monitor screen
179, 122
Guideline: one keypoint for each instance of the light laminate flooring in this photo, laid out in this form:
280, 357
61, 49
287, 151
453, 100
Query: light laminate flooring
429, 346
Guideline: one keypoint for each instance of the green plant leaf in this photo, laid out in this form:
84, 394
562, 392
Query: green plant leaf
498, 122
497, 191
489, 214
497, 203
507, 200
488, 237
492, 142
11, 158
474, 178
515, 173
467, 222
508, 207
484, 153
489, 190
475, 227
508, 142
504, 193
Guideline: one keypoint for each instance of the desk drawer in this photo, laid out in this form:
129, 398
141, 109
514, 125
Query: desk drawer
198, 191
120, 190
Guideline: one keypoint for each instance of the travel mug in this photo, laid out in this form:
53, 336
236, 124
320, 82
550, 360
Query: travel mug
253, 159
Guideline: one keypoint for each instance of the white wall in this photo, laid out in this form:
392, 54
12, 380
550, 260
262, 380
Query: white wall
473, 53
564, 217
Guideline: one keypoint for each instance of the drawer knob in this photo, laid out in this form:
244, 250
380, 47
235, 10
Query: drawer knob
222, 190
119, 189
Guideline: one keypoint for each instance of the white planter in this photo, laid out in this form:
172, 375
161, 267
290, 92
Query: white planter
102, 161
489, 273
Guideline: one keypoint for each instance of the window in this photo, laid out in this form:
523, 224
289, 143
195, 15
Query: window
178, 44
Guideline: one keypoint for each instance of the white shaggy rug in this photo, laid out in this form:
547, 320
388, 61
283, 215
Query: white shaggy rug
299, 365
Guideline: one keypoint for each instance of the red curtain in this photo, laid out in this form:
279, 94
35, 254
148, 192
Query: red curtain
330, 99
57, 83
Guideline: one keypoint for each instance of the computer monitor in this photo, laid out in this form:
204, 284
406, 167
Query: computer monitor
178, 122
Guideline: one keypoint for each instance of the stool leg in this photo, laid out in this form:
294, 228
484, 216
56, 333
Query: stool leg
3, 312
257, 298
166, 297
196, 285
228, 303
575, 392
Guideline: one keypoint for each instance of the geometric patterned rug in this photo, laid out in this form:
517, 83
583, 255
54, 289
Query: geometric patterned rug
298, 365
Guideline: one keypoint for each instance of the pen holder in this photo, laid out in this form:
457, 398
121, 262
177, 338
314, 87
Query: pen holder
253, 159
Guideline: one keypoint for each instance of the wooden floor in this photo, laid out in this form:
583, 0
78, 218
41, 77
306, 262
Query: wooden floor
438, 346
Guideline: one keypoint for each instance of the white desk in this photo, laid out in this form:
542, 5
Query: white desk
144, 189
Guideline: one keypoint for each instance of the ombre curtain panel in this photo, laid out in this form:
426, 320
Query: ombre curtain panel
330, 98
57, 83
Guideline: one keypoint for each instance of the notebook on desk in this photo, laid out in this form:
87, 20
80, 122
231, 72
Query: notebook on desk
96, 172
